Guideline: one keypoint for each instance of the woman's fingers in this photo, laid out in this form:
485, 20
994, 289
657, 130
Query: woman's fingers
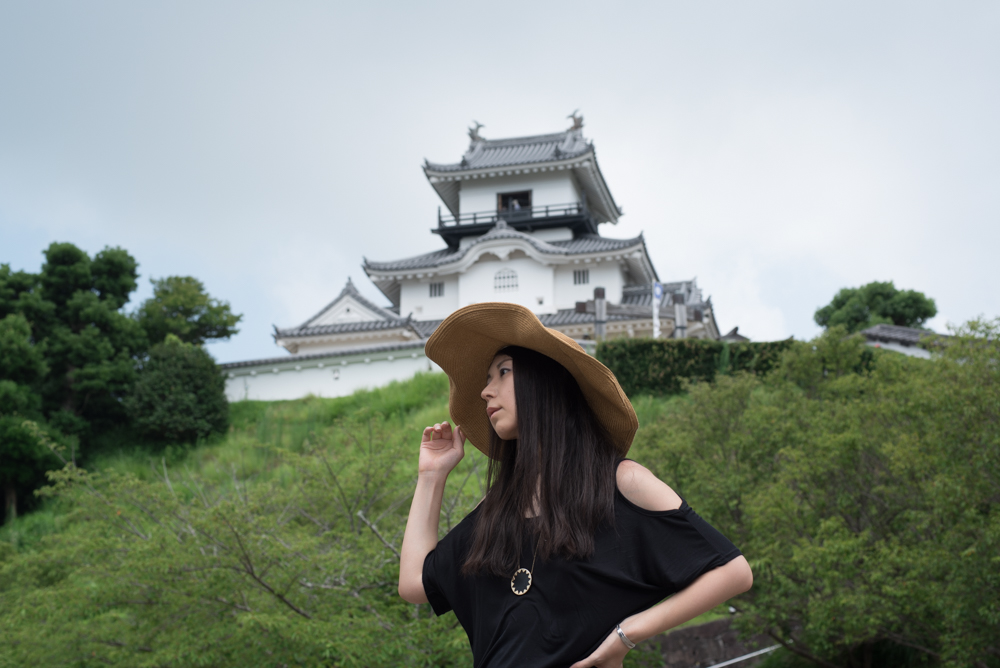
442, 431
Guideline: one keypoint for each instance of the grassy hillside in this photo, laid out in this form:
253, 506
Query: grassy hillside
862, 488
277, 540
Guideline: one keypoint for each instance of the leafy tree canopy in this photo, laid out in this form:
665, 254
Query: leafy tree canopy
23, 459
179, 395
876, 303
89, 343
864, 496
180, 306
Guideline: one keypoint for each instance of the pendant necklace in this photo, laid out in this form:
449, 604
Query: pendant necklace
521, 582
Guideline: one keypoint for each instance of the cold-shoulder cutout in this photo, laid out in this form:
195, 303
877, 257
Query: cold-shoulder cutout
640, 487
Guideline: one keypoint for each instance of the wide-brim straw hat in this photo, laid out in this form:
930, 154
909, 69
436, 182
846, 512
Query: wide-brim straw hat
466, 342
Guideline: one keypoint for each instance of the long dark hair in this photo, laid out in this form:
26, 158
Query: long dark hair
562, 456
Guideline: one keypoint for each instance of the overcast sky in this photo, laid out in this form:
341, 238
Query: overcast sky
777, 151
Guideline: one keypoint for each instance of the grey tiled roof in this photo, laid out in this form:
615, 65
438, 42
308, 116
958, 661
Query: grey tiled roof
349, 290
907, 336
518, 151
426, 327
590, 243
642, 295
317, 356
569, 316
593, 243
340, 328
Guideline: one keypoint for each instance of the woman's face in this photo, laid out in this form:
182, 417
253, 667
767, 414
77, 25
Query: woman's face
499, 396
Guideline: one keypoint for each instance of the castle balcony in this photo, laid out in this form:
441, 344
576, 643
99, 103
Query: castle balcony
575, 216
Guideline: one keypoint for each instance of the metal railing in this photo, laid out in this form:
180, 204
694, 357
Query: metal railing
511, 215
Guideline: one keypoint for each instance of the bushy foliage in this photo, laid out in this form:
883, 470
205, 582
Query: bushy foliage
866, 497
876, 303
82, 349
262, 555
181, 306
662, 366
179, 395
23, 458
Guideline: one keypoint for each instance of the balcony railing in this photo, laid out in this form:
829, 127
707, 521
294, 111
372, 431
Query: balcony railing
524, 214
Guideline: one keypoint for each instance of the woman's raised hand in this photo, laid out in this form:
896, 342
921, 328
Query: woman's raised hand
441, 449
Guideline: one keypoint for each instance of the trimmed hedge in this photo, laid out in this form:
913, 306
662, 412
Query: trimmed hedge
658, 366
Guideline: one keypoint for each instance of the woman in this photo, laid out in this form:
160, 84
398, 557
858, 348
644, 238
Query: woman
568, 558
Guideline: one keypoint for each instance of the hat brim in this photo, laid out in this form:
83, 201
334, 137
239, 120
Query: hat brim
466, 342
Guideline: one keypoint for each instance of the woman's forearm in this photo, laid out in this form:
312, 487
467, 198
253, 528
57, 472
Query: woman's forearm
714, 587
421, 534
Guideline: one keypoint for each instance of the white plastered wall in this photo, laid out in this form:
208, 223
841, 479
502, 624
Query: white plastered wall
534, 281
414, 297
604, 274
546, 188
337, 377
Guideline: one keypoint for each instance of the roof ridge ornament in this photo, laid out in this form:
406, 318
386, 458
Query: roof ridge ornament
577, 120
474, 132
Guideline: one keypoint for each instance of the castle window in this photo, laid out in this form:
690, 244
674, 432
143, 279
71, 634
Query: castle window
505, 280
581, 276
437, 289
514, 201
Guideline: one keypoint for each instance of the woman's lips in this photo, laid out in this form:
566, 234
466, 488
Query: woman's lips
490, 412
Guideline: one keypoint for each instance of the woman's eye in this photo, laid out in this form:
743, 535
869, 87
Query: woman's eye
504, 372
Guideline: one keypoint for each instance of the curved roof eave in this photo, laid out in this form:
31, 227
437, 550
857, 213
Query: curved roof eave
454, 260
445, 179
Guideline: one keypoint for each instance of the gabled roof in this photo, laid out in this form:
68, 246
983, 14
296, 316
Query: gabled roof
488, 158
349, 292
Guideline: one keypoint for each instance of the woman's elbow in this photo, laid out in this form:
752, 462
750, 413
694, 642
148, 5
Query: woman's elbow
412, 592
742, 575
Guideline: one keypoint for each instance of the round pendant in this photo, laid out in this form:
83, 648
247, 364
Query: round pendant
521, 582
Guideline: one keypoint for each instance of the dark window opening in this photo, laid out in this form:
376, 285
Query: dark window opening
581, 276
514, 201
437, 289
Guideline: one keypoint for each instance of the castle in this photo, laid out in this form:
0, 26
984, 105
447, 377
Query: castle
520, 224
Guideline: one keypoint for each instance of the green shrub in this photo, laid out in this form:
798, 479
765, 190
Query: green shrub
660, 366
864, 495
179, 395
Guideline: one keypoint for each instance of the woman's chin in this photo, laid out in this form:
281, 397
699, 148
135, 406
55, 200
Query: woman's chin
504, 433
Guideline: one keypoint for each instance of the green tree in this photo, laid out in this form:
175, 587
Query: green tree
864, 494
23, 458
179, 395
180, 306
90, 344
876, 303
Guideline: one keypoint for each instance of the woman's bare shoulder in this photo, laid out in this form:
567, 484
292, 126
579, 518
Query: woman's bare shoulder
641, 487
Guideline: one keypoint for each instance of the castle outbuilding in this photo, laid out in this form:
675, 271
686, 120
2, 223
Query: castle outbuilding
519, 223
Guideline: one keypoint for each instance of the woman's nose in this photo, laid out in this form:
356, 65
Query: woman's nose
487, 393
